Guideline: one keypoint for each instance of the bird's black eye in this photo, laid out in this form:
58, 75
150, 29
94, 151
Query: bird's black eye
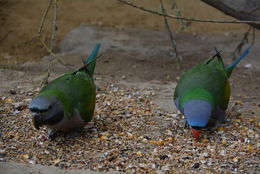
33, 109
38, 110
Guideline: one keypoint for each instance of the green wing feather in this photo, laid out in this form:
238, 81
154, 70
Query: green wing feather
75, 91
204, 81
207, 81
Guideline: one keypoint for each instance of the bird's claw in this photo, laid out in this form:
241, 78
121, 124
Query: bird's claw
52, 134
75, 132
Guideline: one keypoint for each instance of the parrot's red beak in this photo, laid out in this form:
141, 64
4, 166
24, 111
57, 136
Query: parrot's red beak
196, 133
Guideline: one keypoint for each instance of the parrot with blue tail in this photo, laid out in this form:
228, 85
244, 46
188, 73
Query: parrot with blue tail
67, 103
203, 92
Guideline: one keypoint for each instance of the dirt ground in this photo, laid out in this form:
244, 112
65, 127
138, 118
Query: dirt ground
135, 47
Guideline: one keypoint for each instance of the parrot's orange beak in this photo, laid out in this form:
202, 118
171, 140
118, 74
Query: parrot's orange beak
196, 133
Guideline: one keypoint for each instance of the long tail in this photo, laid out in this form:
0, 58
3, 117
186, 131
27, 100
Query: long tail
229, 68
91, 59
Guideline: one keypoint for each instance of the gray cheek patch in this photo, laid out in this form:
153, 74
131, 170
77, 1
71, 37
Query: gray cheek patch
197, 112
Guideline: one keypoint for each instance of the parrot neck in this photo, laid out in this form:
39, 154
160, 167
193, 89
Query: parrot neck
197, 94
197, 113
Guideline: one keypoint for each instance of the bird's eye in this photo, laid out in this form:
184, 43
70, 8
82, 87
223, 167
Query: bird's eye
33, 109
38, 110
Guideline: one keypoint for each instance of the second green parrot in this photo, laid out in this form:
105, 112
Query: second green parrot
203, 92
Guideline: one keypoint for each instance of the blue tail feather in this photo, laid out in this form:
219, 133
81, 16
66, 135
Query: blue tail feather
90, 61
93, 54
229, 68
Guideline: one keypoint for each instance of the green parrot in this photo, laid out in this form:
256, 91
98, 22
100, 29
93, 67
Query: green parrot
203, 92
67, 103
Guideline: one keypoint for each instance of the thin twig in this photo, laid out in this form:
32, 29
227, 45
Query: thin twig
253, 37
188, 18
174, 4
54, 55
44, 17
174, 44
243, 41
50, 50
54, 25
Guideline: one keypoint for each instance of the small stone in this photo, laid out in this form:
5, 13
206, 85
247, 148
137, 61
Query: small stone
11, 136
223, 153
139, 153
203, 161
12, 91
169, 139
103, 137
238, 102
19, 106
9, 100
25, 156
205, 140
205, 154
2, 153
221, 129
224, 142
248, 65
235, 159
195, 165
32, 161
162, 157
249, 147
2, 160
168, 132
56, 161
164, 168
30, 94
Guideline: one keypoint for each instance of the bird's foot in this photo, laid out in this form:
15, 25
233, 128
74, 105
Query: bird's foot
74, 132
184, 124
52, 134
220, 115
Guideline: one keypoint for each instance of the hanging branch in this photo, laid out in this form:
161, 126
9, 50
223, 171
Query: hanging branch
43, 18
178, 13
54, 29
174, 44
188, 18
253, 37
244, 41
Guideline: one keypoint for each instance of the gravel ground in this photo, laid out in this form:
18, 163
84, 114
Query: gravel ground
129, 133
135, 128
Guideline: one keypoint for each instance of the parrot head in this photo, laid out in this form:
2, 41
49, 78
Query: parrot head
197, 114
46, 110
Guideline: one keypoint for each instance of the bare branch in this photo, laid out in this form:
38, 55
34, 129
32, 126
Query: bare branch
188, 18
44, 17
50, 50
242, 43
253, 37
54, 55
54, 25
174, 44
